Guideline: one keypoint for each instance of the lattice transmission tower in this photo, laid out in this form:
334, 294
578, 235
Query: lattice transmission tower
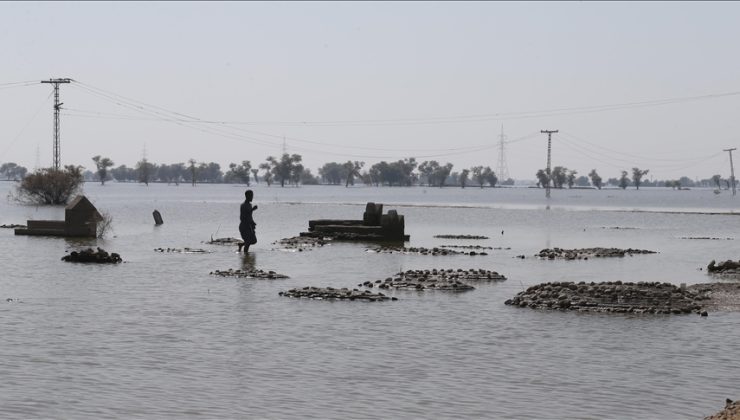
57, 108
502, 170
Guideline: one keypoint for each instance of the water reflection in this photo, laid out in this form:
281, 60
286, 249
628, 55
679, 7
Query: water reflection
249, 261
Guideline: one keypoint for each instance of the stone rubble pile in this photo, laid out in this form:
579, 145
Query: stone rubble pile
618, 297
224, 241
251, 274
728, 267
183, 250
421, 251
442, 279
586, 253
99, 256
331, 293
301, 243
460, 237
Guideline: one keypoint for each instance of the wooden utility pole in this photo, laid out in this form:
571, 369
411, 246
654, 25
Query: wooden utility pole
732, 169
549, 149
57, 107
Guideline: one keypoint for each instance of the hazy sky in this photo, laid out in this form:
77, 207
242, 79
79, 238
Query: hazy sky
653, 85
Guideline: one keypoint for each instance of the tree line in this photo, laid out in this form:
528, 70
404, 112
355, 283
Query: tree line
289, 170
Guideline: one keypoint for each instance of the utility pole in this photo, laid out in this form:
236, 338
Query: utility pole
502, 170
732, 169
57, 107
549, 149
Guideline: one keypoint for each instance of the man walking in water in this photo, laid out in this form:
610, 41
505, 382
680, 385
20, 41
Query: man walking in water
247, 225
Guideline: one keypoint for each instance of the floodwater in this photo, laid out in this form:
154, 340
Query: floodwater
158, 337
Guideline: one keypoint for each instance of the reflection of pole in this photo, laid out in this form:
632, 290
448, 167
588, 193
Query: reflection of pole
732, 169
549, 148
57, 107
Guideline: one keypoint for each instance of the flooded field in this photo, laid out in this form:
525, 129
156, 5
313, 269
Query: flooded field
159, 336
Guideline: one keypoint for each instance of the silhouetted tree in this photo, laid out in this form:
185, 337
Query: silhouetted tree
145, 170
595, 178
717, 179
239, 173
559, 176
353, 170
571, 178
193, 171
102, 165
332, 173
254, 173
13, 171
637, 175
267, 176
623, 180
464, 177
50, 186
542, 179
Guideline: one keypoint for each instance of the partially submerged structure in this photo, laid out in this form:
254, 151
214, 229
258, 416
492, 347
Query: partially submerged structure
374, 226
81, 219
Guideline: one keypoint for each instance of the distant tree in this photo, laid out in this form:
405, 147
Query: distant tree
595, 178
464, 174
686, 182
307, 178
238, 173
717, 179
477, 172
637, 175
13, 171
543, 180
582, 181
374, 175
508, 181
571, 178
267, 175
145, 170
254, 173
624, 181
210, 173
286, 169
332, 173
50, 186
193, 171
353, 170
426, 170
559, 176
491, 177
102, 165
399, 173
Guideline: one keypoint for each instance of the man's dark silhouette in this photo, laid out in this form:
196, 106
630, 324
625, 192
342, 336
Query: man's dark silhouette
247, 225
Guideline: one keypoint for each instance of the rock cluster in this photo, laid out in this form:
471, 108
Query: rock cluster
224, 241
301, 243
460, 237
586, 253
466, 247
435, 279
251, 274
421, 251
723, 296
330, 293
618, 297
731, 411
184, 250
706, 238
88, 255
12, 226
728, 267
